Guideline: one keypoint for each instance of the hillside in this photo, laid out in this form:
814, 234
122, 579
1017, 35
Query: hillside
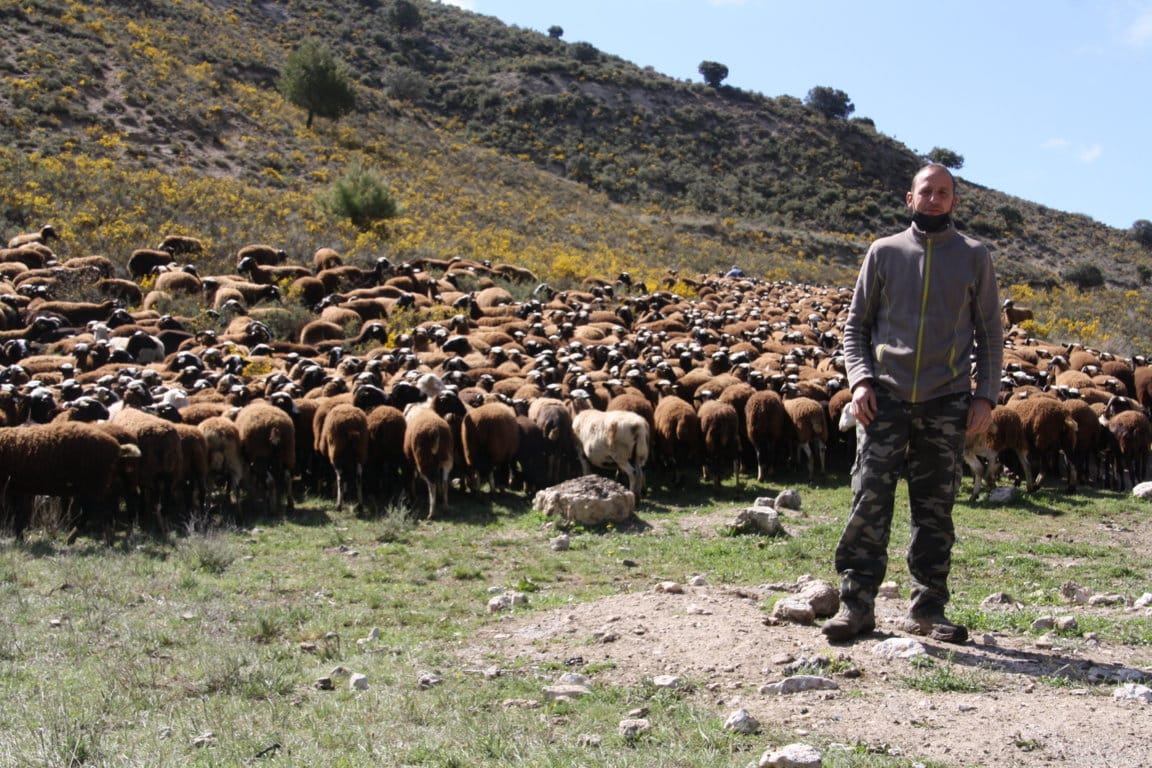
128, 119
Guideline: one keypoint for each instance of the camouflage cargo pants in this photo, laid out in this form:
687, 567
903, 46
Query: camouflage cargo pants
922, 442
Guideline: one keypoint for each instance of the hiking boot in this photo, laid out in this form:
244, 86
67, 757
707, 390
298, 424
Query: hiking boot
854, 618
935, 625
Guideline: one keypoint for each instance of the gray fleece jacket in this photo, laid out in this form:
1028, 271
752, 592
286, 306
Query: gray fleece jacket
925, 317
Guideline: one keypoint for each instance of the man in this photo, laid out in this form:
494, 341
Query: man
925, 309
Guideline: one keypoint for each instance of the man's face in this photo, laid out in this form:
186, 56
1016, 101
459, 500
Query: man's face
932, 193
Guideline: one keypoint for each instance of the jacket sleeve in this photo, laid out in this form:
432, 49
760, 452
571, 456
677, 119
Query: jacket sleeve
858, 359
989, 332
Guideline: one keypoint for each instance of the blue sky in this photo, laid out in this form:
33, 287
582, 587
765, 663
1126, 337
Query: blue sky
1050, 102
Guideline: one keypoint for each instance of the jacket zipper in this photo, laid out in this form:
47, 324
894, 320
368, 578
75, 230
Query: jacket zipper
923, 311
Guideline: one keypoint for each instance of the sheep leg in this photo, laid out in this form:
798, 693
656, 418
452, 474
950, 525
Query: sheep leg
977, 467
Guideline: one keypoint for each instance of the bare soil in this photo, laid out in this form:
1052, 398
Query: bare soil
1041, 702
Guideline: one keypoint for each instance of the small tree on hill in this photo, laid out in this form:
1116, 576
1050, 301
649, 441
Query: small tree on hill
555, 31
362, 196
946, 157
585, 53
314, 80
830, 102
1084, 276
1142, 232
713, 72
404, 16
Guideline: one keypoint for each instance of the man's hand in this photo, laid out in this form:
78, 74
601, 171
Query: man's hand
864, 403
979, 415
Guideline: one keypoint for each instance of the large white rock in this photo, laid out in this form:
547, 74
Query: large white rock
793, 756
588, 500
1143, 490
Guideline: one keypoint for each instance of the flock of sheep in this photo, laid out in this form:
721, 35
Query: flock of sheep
133, 416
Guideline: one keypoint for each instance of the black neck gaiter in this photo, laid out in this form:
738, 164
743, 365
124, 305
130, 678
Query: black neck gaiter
929, 223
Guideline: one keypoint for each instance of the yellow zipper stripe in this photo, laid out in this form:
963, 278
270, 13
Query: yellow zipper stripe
923, 311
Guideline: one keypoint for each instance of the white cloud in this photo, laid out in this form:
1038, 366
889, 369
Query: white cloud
1139, 32
1091, 154
1056, 143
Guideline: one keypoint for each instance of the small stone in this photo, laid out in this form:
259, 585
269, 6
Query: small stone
307, 647
561, 543
1044, 623
1004, 494
428, 680
638, 712
742, 721
700, 581
792, 756
697, 610
1044, 641
666, 681
565, 692
966, 708
1113, 599
324, 684
632, 728
358, 681
605, 636
889, 590
789, 499
800, 683
1133, 692
1075, 593
587, 740
999, 600
520, 704
671, 587
899, 648
1066, 624
794, 610
1144, 600
204, 739
574, 678
988, 638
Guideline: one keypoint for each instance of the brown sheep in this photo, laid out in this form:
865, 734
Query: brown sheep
192, 481
490, 437
70, 460
270, 274
982, 450
263, 254
770, 430
145, 261
161, 464
268, 439
1014, 315
181, 245
555, 422
343, 440
325, 258
45, 233
1132, 432
1051, 433
429, 450
720, 426
679, 438
224, 456
811, 423
386, 428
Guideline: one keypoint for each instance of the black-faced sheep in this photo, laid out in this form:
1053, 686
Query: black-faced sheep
611, 440
43, 235
983, 450
490, 437
386, 428
268, 439
770, 430
679, 444
145, 261
181, 245
68, 460
811, 424
1051, 433
161, 463
555, 422
225, 457
263, 254
343, 440
1014, 315
430, 452
720, 426
270, 274
1132, 432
